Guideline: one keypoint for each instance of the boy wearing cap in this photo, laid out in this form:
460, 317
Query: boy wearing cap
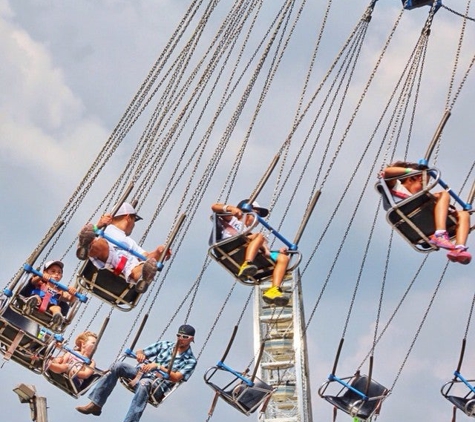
40, 287
232, 224
155, 357
107, 255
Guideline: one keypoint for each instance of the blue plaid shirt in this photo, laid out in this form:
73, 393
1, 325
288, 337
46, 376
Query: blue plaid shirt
161, 352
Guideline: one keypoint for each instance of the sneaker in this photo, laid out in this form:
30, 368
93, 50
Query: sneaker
30, 305
460, 255
274, 296
56, 322
441, 241
149, 271
247, 269
86, 236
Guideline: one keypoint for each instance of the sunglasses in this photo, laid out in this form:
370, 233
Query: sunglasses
184, 336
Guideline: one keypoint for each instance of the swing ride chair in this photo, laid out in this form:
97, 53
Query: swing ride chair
108, 286
67, 381
23, 347
156, 384
464, 402
413, 217
111, 285
245, 393
43, 317
230, 252
413, 4
359, 396
24, 338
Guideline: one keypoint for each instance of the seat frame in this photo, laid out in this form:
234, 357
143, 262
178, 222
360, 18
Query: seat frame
108, 287
156, 384
230, 252
413, 217
241, 392
355, 397
64, 381
466, 402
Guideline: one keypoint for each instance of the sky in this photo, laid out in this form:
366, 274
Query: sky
69, 71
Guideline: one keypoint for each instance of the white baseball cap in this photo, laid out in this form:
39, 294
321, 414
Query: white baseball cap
127, 209
49, 263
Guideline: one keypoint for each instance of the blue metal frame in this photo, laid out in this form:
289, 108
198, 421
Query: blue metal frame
292, 246
222, 365
463, 204
363, 396
28, 268
461, 378
124, 247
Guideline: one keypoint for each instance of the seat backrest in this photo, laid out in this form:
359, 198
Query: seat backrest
250, 397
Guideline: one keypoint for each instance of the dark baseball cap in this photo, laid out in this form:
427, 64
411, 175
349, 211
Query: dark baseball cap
186, 329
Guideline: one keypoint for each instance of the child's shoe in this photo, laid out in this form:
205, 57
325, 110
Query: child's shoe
460, 255
248, 269
441, 241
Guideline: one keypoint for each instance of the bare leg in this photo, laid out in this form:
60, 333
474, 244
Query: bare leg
463, 227
441, 209
280, 269
99, 249
257, 240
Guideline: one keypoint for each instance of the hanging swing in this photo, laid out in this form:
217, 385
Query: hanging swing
110, 284
25, 336
230, 252
40, 314
460, 391
360, 396
413, 217
69, 381
244, 391
161, 386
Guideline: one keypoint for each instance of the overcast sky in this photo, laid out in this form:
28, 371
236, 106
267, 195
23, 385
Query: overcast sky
68, 72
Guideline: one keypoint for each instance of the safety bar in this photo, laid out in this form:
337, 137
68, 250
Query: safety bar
28, 268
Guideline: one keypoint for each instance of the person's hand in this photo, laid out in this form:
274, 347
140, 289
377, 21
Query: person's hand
149, 367
235, 211
140, 356
284, 250
72, 290
104, 221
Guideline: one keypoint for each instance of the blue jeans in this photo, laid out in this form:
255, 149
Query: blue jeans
105, 386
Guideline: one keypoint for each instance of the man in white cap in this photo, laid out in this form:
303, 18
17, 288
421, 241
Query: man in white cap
156, 357
232, 224
104, 254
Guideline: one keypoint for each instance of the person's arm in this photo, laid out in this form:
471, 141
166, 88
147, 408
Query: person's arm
86, 370
227, 209
69, 295
59, 365
391, 174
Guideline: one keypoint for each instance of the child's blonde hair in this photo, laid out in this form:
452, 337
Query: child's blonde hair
82, 338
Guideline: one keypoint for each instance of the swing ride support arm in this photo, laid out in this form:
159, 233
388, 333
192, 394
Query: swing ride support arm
462, 203
290, 245
332, 377
222, 365
28, 268
165, 375
85, 359
124, 247
461, 378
